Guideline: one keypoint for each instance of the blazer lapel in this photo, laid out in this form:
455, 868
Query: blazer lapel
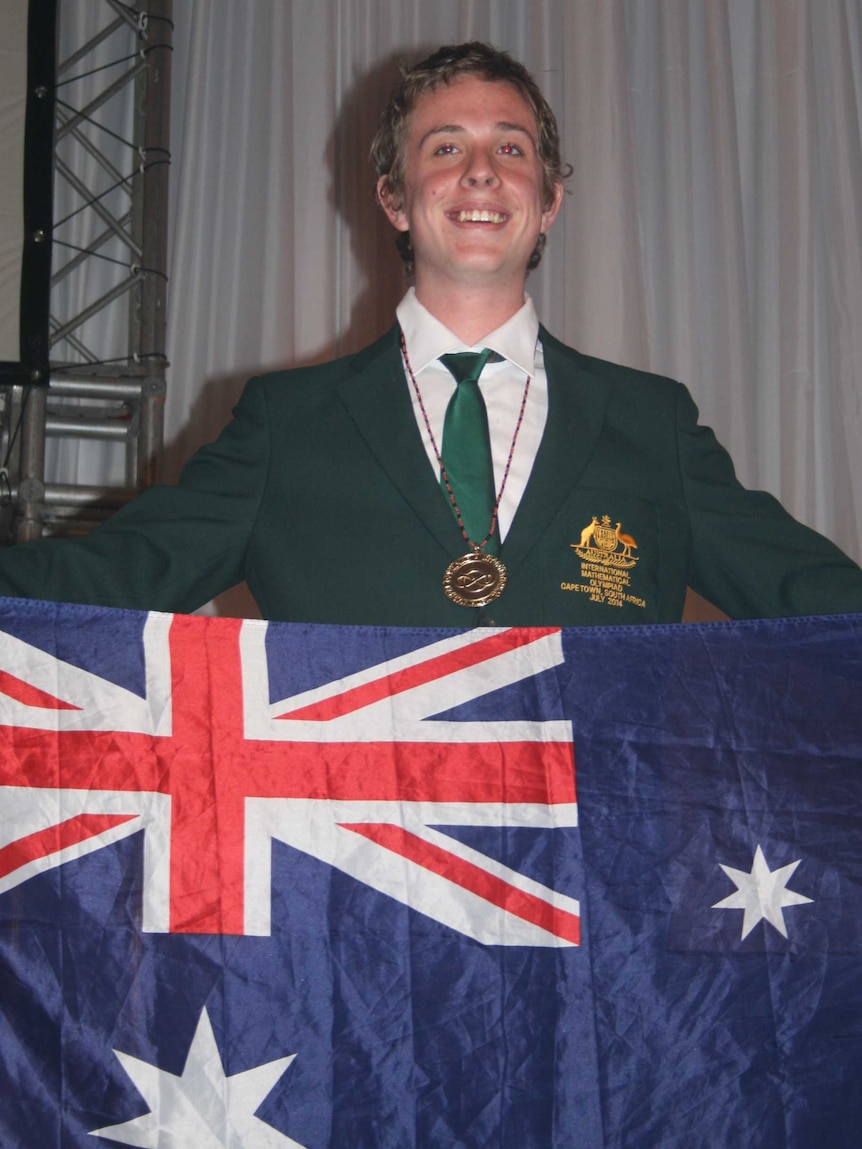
378, 401
576, 408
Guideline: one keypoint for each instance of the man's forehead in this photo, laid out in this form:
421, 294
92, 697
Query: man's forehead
450, 104
507, 127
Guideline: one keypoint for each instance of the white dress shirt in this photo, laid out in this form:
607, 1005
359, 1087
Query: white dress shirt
502, 385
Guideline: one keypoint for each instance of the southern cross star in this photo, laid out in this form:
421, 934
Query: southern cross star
202, 1107
762, 893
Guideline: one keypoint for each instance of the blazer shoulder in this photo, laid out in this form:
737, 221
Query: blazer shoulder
615, 375
317, 377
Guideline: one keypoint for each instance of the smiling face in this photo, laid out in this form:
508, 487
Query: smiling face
472, 196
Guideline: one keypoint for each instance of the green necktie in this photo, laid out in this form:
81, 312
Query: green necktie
467, 447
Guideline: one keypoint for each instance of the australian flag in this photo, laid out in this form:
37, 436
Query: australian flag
268, 886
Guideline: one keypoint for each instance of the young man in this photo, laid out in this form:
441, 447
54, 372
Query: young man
542, 487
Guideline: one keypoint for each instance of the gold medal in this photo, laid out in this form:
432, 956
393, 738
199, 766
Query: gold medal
475, 579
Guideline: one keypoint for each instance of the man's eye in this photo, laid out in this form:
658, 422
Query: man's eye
510, 150
446, 150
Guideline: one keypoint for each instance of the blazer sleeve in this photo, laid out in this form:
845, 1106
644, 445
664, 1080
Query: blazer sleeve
173, 547
748, 555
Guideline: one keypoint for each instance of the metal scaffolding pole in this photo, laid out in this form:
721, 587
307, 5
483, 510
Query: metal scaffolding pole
154, 255
109, 273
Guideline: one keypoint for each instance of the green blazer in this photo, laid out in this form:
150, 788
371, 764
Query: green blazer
320, 495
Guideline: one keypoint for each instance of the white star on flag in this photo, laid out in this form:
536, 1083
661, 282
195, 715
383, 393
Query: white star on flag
203, 1107
762, 893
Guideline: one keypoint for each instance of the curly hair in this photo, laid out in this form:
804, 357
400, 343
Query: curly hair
442, 67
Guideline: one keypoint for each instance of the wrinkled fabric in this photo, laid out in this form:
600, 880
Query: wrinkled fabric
349, 887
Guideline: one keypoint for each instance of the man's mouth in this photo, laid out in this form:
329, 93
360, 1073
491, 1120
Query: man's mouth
479, 215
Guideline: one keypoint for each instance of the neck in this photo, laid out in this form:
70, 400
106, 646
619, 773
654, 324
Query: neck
471, 313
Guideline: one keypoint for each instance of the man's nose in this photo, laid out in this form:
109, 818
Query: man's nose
480, 171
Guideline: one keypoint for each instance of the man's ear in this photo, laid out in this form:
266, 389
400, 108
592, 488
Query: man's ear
550, 212
392, 202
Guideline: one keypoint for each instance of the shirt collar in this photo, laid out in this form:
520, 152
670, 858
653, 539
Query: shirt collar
427, 338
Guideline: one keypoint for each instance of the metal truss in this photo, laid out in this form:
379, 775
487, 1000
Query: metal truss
109, 281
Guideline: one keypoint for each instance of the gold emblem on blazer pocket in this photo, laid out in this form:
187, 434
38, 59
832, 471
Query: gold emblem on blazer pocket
606, 560
604, 544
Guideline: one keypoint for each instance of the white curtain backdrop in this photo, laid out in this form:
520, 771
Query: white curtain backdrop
713, 230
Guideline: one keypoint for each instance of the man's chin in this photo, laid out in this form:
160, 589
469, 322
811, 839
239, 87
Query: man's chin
485, 256
485, 269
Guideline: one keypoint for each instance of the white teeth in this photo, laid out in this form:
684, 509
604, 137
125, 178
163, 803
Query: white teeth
482, 216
